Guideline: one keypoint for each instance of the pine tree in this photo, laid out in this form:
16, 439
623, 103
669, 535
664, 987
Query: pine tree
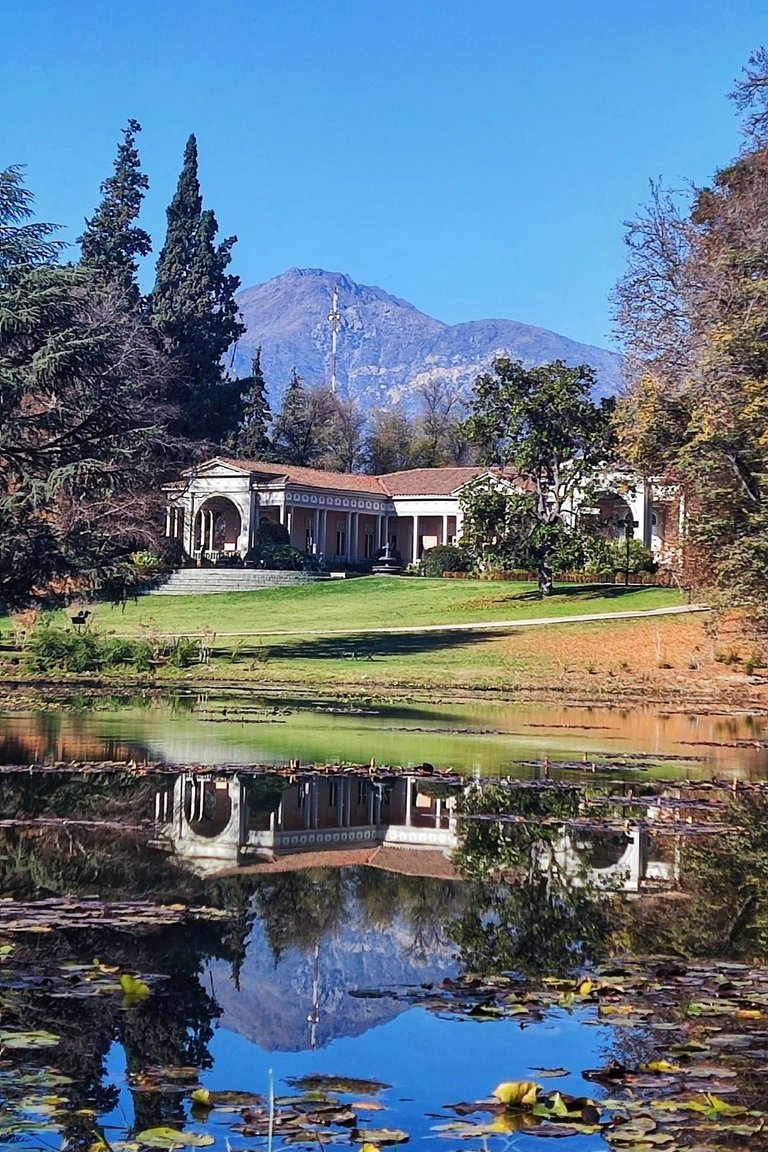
251, 441
112, 242
194, 308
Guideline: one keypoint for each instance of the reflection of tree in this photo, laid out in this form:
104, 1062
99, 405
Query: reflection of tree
173, 1027
527, 911
299, 908
721, 909
533, 926
423, 904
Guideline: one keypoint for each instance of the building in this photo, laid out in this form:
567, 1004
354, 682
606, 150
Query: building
344, 518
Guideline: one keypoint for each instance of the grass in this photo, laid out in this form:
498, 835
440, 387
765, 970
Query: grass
319, 638
374, 602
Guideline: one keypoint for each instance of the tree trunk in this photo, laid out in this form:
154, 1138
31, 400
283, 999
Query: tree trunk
546, 583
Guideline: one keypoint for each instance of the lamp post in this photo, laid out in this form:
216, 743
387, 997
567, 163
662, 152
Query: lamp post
629, 525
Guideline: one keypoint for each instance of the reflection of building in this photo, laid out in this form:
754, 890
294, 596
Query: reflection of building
230, 819
227, 820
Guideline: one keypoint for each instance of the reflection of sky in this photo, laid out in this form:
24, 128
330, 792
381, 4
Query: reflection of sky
429, 1061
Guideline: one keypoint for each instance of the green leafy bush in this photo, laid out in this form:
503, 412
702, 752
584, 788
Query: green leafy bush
444, 558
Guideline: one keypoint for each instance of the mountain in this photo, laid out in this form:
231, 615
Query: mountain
386, 347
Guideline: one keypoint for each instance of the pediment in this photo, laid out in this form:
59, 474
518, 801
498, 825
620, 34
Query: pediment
217, 467
502, 483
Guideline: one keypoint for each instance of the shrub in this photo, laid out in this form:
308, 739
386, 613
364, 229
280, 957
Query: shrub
641, 559
444, 558
183, 652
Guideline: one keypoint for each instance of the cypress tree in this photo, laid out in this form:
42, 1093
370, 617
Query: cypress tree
194, 309
251, 441
112, 241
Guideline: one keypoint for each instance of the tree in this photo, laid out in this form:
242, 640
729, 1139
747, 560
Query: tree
251, 440
316, 428
84, 443
112, 242
389, 441
692, 311
439, 437
194, 309
540, 426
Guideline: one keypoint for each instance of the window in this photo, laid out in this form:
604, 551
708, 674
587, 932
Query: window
362, 793
341, 542
334, 794
368, 545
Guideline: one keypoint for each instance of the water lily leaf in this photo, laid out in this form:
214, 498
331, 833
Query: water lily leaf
383, 1136
345, 1084
133, 988
661, 1066
551, 1073
28, 1039
517, 1093
724, 1109
170, 1138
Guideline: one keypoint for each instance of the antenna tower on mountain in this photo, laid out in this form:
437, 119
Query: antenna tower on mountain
334, 319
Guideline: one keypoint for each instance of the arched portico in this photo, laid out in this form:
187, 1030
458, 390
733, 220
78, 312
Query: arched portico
218, 526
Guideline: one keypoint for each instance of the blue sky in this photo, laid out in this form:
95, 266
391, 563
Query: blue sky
476, 157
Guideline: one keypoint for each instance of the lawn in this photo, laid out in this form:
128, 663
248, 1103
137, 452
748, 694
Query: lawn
373, 602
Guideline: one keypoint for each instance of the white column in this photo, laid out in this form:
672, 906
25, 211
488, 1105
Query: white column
191, 541
168, 520
408, 800
211, 527
415, 542
382, 538
322, 543
371, 797
348, 534
445, 529
355, 534
315, 530
438, 812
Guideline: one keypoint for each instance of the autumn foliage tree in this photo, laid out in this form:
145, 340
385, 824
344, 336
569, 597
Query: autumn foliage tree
692, 310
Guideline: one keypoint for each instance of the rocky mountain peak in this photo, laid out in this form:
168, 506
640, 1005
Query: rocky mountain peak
387, 348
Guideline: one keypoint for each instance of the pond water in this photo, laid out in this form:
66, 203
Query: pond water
492, 738
164, 935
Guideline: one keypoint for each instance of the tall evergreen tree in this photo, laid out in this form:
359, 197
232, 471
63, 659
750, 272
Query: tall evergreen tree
84, 441
250, 440
112, 241
194, 309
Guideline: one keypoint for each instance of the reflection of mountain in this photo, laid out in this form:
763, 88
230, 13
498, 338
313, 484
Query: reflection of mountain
277, 1000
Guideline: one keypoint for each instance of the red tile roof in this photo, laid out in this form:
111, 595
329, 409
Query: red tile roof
311, 477
410, 482
429, 481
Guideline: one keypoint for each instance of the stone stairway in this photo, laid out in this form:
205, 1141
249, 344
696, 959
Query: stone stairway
206, 581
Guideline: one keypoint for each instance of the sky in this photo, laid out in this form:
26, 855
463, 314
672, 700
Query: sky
475, 157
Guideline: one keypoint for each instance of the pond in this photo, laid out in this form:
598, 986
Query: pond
249, 959
242, 728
